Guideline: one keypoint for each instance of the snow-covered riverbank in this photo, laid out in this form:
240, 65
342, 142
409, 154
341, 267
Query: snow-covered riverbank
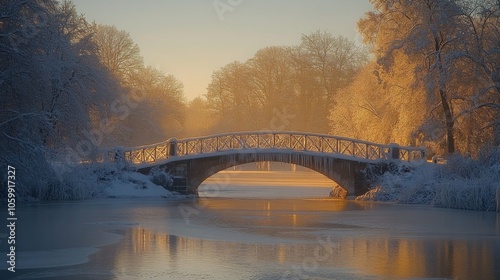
461, 183
94, 181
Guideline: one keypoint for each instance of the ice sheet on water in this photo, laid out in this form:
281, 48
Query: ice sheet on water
54, 258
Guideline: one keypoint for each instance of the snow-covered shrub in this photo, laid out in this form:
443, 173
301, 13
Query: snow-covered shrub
462, 183
467, 183
34, 175
459, 167
402, 183
465, 194
373, 172
82, 181
161, 177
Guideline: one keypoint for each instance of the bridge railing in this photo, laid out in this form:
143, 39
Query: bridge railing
143, 154
270, 140
296, 141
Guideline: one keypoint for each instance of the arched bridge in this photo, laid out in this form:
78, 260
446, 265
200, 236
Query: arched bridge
193, 160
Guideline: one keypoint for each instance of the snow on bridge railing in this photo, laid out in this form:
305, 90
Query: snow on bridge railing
296, 141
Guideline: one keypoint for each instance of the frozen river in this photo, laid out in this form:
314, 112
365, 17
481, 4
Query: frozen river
241, 231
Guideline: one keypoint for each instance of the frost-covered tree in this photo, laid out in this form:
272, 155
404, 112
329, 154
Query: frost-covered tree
430, 32
52, 86
452, 47
481, 57
380, 106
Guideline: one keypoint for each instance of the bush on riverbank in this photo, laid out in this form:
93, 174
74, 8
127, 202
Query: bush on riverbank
88, 181
461, 183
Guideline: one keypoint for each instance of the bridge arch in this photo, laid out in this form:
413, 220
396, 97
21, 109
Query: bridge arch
346, 173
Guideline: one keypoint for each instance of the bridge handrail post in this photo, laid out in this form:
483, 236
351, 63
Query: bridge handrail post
172, 147
422, 153
394, 151
119, 157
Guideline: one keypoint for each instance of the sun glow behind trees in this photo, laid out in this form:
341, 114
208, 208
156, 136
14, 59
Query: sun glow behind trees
300, 81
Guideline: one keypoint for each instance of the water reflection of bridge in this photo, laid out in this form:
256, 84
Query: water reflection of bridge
195, 159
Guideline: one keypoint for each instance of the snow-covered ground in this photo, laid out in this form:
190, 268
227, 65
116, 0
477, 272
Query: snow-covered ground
461, 183
107, 180
134, 184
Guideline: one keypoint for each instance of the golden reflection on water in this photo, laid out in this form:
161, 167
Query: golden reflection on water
399, 258
274, 205
406, 258
381, 255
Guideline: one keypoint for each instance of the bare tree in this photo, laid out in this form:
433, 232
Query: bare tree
159, 114
336, 60
117, 51
230, 98
271, 81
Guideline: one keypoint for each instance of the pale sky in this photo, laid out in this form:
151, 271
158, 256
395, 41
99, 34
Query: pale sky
191, 38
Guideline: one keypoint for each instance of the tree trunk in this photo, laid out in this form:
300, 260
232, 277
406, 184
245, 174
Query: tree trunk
450, 140
496, 130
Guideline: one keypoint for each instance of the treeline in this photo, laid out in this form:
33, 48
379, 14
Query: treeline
431, 78
280, 87
69, 88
